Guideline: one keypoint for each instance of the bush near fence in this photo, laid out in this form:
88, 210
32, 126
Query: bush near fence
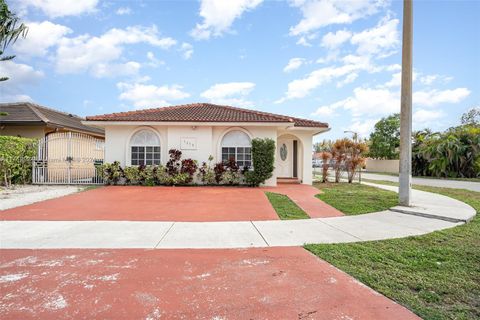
16, 156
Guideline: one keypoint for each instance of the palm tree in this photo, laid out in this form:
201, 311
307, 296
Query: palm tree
10, 30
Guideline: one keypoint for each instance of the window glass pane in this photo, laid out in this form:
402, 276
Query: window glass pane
239, 157
248, 157
156, 156
134, 149
134, 162
240, 150
141, 149
148, 162
156, 149
156, 161
149, 149
248, 150
231, 150
224, 157
224, 150
149, 156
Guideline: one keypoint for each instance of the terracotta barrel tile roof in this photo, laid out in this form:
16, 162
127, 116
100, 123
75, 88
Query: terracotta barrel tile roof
205, 112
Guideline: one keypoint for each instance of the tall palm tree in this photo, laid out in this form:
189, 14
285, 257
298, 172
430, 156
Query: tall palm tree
10, 30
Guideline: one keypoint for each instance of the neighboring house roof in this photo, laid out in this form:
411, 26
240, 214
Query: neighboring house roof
26, 113
205, 112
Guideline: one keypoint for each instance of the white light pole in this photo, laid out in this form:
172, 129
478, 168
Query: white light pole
405, 178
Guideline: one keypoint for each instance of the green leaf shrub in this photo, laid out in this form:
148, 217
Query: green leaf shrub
263, 156
16, 155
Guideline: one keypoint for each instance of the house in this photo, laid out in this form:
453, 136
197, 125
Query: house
67, 150
203, 129
29, 120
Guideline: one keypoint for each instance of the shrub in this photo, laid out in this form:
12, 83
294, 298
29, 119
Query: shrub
263, 156
189, 167
219, 169
132, 175
16, 156
231, 177
147, 175
173, 164
112, 172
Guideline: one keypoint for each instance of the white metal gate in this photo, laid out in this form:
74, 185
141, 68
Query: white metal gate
68, 158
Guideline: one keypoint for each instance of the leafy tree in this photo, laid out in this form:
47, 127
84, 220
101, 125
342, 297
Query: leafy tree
471, 117
385, 139
10, 30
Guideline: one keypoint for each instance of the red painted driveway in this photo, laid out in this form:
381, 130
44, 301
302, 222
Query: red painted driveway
135, 203
273, 283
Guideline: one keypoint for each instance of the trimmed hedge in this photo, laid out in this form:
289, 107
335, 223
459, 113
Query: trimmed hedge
263, 156
16, 156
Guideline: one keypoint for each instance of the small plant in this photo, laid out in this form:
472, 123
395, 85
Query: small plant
206, 173
16, 156
231, 177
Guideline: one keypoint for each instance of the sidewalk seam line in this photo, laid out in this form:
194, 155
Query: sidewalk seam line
334, 227
261, 235
164, 235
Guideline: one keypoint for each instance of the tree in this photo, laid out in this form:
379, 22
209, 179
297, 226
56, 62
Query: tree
471, 117
325, 145
10, 30
385, 139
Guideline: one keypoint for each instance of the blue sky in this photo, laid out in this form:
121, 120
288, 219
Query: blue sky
333, 61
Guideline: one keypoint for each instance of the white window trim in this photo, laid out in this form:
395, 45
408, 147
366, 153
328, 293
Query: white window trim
128, 147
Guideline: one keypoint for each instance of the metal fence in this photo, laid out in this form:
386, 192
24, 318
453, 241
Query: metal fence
68, 158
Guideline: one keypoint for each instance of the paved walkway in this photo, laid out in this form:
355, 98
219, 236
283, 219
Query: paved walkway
186, 204
455, 184
431, 212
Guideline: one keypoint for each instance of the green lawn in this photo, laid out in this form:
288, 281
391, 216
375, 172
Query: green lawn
285, 207
354, 198
437, 275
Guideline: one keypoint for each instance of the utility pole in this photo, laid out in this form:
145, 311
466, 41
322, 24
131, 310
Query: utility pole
406, 107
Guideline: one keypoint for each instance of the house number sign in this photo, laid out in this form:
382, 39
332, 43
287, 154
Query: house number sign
188, 144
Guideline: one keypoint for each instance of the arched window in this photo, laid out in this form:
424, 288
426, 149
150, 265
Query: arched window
145, 148
237, 145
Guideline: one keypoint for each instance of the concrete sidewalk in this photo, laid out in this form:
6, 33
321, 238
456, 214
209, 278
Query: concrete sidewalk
432, 212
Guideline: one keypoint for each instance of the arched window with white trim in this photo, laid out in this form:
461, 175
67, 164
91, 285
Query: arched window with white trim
144, 148
237, 145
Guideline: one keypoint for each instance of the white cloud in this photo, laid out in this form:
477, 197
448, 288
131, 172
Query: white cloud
106, 70
153, 61
148, 95
348, 79
300, 88
434, 97
381, 40
424, 117
321, 13
334, 40
230, 93
20, 75
294, 64
187, 50
60, 8
430, 79
219, 15
362, 127
41, 36
88, 53
123, 11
